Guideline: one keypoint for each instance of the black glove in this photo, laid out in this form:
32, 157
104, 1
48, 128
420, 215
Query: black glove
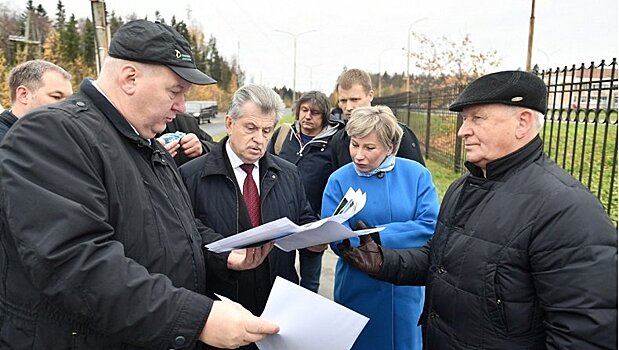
367, 257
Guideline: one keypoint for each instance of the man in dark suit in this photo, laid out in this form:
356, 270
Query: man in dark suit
237, 186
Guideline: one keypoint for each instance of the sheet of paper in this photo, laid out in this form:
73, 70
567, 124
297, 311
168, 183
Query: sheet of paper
269, 231
328, 232
308, 321
289, 236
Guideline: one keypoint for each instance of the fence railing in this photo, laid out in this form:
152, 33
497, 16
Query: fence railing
579, 133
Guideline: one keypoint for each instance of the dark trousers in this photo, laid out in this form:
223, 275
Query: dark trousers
310, 266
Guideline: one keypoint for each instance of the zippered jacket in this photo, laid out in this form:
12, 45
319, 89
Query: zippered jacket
99, 247
523, 258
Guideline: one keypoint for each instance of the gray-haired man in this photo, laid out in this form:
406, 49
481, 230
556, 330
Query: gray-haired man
238, 185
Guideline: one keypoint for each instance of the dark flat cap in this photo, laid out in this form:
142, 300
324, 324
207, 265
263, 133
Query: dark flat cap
157, 43
514, 88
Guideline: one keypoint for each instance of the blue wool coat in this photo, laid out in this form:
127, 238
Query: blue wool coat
405, 202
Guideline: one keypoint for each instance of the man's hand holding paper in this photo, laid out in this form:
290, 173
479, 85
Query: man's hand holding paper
248, 258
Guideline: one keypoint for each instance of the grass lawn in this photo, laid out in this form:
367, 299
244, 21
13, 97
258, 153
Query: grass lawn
588, 152
441, 176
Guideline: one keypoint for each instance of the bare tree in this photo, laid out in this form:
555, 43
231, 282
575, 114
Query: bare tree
9, 25
452, 62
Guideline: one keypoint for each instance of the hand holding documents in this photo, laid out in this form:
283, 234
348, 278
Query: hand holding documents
308, 320
289, 236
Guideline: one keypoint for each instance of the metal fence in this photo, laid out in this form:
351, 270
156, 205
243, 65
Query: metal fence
580, 129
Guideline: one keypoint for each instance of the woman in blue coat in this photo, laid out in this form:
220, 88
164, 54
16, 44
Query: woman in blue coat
401, 198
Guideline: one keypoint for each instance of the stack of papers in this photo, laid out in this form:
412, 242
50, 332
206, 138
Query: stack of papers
308, 321
289, 236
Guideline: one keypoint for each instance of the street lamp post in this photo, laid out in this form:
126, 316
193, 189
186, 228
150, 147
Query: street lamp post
294, 62
408, 73
408, 53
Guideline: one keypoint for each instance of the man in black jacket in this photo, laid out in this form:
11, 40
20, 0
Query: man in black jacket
194, 143
238, 185
523, 256
34, 84
354, 89
100, 248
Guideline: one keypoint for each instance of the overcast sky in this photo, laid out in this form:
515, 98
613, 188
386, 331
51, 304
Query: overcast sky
366, 34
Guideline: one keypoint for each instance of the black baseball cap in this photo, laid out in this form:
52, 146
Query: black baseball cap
157, 43
514, 88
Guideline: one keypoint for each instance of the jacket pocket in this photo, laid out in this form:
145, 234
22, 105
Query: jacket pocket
494, 300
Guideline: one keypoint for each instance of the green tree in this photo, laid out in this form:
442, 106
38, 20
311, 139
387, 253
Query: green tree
40, 11
114, 22
182, 28
60, 16
88, 44
70, 41
214, 63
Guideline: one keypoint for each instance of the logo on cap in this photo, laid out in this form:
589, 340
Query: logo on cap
178, 53
517, 99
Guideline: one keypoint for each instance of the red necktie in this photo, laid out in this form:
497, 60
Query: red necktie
251, 196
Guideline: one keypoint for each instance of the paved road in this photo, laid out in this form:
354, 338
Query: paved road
328, 270
216, 126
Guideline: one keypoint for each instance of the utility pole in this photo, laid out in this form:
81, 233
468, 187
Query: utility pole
26, 38
102, 31
531, 30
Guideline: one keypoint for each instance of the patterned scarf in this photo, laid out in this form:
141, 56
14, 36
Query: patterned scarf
386, 166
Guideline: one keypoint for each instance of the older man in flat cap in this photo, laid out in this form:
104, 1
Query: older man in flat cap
523, 256
100, 248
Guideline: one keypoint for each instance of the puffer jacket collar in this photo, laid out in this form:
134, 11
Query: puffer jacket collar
511, 163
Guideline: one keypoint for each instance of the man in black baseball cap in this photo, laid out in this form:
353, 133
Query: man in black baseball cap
157, 43
103, 247
525, 256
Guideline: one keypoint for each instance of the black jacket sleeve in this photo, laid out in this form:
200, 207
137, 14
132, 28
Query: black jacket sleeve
56, 207
573, 259
405, 266
409, 147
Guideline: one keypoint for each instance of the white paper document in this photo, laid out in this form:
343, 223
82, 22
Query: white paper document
289, 236
308, 321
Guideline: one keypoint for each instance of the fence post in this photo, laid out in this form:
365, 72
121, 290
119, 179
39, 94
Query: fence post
458, 150
428, 128
408, 108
